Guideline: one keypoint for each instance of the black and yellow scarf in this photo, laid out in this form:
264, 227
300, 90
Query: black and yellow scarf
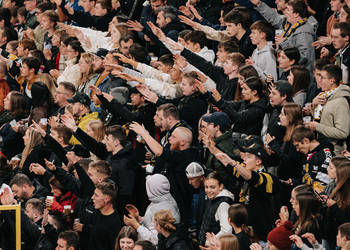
289, 28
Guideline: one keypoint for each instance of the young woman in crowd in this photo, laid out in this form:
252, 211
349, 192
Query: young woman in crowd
216, 213
34, 152
126, 238
285, 155
61, 197
238, 219
96, 130
244, 72
87, 75
72, 71
249, 113
299, 77
335, 162
338, 203
286, 59
171, 236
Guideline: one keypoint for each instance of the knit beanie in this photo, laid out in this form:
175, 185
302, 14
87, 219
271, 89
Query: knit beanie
279, 236
157, 185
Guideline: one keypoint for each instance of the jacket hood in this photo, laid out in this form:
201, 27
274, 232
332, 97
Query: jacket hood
342, 91
226, 193
157, 185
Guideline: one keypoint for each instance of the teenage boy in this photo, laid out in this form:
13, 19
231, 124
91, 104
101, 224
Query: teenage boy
318, 155
258, 187
263, 58
196, 41
237, 27
226, 77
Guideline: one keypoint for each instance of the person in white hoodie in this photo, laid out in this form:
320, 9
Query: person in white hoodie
195, 41
263, 58
216, 213
158, 192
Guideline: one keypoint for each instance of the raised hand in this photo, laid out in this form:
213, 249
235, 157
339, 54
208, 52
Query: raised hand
200, 86
225, 159
37, 169
69, 122
50, 165
180, 61
215, 94
95, 89
157, 31
255, 2
134, 25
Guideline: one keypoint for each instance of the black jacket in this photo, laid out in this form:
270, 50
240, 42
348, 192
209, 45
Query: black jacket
177, 240
172, 164
191, 108
226, 87
245, 45
246, 117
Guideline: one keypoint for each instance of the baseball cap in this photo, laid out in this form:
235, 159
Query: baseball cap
285, 88
81, 98
218, 118
256, 148
194, 169
101, 52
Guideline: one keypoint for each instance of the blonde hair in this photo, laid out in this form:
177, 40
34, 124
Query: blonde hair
98, 128
165, 219
228, 242
48, 81
88, 58
34, 140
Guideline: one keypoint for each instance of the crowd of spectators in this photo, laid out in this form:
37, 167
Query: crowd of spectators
174, 124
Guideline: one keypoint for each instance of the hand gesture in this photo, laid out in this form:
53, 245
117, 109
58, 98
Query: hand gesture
297, 240
186, 11
109, 97
134, 25
95, 89
54, 73
194, 11
37, 169
211, 238
7, 198
225, 159
50, 165
255, 246
284, 214
58, 2
38, 129
215, 94
148, 94
346, 153
69, 122
180, 61
138, 129
201, 77
132, 210
187, 21
310, 237
122, 58
156, 31
176, 46
127, 77
324, 52
131, 221
330, 202
200, 86
69, 9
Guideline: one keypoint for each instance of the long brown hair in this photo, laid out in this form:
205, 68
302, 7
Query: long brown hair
98, 128
17, 103
301, 78
341, 192
125, 232
238, 215
34, 139
84, 77
294, 116
309, 212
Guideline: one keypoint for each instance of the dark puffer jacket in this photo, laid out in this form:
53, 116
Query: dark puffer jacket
177, 240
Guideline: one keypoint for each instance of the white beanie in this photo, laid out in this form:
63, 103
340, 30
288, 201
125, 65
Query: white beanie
194, 169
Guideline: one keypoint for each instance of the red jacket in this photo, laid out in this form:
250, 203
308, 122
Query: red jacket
66, 199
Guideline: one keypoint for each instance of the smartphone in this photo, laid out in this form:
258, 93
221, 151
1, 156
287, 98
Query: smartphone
318, 195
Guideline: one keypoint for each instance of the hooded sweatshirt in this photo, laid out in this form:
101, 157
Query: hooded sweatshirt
158, 192
335, 117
